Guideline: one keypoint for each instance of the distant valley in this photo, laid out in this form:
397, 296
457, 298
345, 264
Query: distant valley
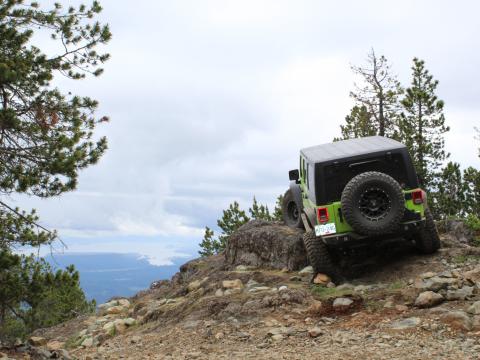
104, 275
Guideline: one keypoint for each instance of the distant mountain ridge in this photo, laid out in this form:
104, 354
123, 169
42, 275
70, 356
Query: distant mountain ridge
104, 275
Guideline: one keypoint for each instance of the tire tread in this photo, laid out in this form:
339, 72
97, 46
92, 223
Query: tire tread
427, 239
318, 255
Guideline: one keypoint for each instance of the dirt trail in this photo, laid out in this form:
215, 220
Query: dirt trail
404, 307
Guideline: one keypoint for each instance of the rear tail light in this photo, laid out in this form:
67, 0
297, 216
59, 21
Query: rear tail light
417, 197
322, 215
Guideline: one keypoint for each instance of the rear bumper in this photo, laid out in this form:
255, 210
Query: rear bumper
406, 229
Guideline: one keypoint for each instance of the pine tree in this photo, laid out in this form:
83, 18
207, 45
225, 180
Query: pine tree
278, 212
376, 100
231, 220
358, 124
471, 178
449, 199
259, 212
46, 136
422, 124
209, 245
32, 295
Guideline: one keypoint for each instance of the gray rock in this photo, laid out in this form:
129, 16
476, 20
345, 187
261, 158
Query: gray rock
260, 288
232, 284
407, 323
88, 342
277, 337
251, 284
342, 302
42, 353
474, 309
345, 286
242, 335
457, 320
446, 274
64, 354
306, 270
457, 231
476, 322
194, 285
428, 299
460, 294
315, 332
129, 321
262, 243
277, 331
135, 339
435, 283
427, 275
37, 341
244, 268
362, 288
191, 324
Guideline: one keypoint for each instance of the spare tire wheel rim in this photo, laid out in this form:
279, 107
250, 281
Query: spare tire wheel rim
374, 203
293, 211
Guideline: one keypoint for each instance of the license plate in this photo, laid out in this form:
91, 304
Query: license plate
325, 229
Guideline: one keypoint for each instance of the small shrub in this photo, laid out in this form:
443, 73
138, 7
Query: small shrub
473, 223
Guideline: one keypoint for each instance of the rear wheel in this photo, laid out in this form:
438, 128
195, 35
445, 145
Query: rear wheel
427, 240
318, 255
290, 211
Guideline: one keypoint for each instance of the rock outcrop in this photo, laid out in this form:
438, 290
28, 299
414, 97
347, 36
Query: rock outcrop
455, 233
238, 305
268, 245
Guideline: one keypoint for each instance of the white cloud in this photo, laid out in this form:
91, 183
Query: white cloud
211, 101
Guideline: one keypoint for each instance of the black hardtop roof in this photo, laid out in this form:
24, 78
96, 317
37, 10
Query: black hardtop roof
348, 148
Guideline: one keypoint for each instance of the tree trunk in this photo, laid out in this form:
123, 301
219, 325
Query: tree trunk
420, 149
381, 130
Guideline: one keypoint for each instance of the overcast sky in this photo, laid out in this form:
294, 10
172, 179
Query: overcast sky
210, 102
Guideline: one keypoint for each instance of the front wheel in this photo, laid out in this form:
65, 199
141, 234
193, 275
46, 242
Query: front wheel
291, 212
318, 255
427, 240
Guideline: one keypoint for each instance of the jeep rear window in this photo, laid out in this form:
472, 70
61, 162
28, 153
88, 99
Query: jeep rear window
337, 175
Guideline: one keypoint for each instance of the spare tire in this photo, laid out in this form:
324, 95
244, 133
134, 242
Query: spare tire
373, 203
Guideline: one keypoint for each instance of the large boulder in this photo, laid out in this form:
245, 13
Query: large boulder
455, 233
262, 243
428, 299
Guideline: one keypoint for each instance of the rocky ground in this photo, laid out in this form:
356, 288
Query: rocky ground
235, 306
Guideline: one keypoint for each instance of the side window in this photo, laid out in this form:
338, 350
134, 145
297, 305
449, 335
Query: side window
308, 177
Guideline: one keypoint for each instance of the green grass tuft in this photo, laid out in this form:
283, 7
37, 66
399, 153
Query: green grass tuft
325, 293
397, 285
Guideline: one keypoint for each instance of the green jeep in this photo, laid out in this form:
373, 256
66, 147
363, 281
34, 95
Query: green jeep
356, 192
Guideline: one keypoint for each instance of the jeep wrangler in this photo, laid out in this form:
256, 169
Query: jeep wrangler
355, 192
